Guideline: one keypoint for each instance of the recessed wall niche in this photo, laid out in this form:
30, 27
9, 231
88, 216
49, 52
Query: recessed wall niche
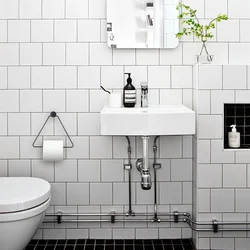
238, 114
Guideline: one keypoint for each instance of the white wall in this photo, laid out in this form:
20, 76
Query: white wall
53, 56
222, 183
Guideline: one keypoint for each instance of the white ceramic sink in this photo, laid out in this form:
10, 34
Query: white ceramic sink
154, 120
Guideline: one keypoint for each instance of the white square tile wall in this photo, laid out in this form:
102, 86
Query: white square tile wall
53, 56
222, 185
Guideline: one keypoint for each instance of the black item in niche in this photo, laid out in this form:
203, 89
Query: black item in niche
91, 244
238, 114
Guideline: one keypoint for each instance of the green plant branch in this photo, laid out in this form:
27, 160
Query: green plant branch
203, 32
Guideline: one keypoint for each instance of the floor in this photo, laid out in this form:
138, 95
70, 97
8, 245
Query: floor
90, 244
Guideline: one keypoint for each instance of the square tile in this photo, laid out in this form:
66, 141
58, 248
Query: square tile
77, 101
210, 176
19, 77
78, 193
42, 31
94, 27
89, 170
101, 193
112, 171
18, 124
66, 171
65, 77
159, 77
234, 77
230, 171
55, 9
31, 54
76, 9
30, 96
77, 54
19, 31
42, 77
222, 200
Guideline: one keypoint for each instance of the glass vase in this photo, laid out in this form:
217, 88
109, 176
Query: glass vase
204, 57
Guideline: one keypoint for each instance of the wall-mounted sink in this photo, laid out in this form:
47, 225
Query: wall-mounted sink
154, 120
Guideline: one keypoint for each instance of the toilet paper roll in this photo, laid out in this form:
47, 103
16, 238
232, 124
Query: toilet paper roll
53, 150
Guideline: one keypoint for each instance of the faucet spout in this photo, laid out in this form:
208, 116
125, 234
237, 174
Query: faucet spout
144, 94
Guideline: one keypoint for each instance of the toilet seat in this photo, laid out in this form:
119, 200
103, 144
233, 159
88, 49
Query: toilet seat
22, 193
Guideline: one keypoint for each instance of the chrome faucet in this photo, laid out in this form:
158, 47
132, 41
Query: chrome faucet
144, 94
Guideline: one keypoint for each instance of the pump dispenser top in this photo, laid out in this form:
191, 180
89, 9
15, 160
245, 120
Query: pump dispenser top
129, 93
233, 128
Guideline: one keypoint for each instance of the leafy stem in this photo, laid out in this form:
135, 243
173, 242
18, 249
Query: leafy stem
193, 25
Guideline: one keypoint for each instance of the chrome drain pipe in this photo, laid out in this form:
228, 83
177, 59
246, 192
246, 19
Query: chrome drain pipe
129, 168
143, 166
155, 167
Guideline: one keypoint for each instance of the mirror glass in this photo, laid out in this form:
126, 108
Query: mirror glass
142, 23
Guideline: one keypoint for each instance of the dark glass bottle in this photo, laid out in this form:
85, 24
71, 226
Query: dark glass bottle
129, 93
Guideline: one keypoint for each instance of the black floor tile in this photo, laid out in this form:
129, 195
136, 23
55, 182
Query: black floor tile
61, 242
99, 244
89, 247
41, 247
168, 247
129, 247
79, 247
60, 247
119, 247
148, 242
50, 247
186, 242
33, 242
109, 247
71, 242
148, 247
119, 242
167, 242
69, 247
176, 242
80, 241
129, 242
178, 247
157, 242
158, 247
90, 242
29, 248
138, 242
139, 247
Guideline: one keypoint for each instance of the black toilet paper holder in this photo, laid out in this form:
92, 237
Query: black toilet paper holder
53, 114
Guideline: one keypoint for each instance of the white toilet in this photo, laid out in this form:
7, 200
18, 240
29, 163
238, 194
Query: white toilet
23, 201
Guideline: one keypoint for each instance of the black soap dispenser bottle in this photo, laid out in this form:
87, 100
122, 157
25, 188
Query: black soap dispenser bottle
129, 93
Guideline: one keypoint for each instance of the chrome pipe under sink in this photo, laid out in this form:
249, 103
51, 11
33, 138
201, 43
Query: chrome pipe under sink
143, 166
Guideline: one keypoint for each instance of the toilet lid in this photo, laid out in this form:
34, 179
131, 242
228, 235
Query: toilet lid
22, 193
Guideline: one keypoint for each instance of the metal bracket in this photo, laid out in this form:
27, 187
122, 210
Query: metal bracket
59, 218
112, 217
176, 217
109, 26
127, 166
157, 165
215, 226
130, 213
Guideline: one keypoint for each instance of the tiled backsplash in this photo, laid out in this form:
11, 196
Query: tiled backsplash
54, 57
